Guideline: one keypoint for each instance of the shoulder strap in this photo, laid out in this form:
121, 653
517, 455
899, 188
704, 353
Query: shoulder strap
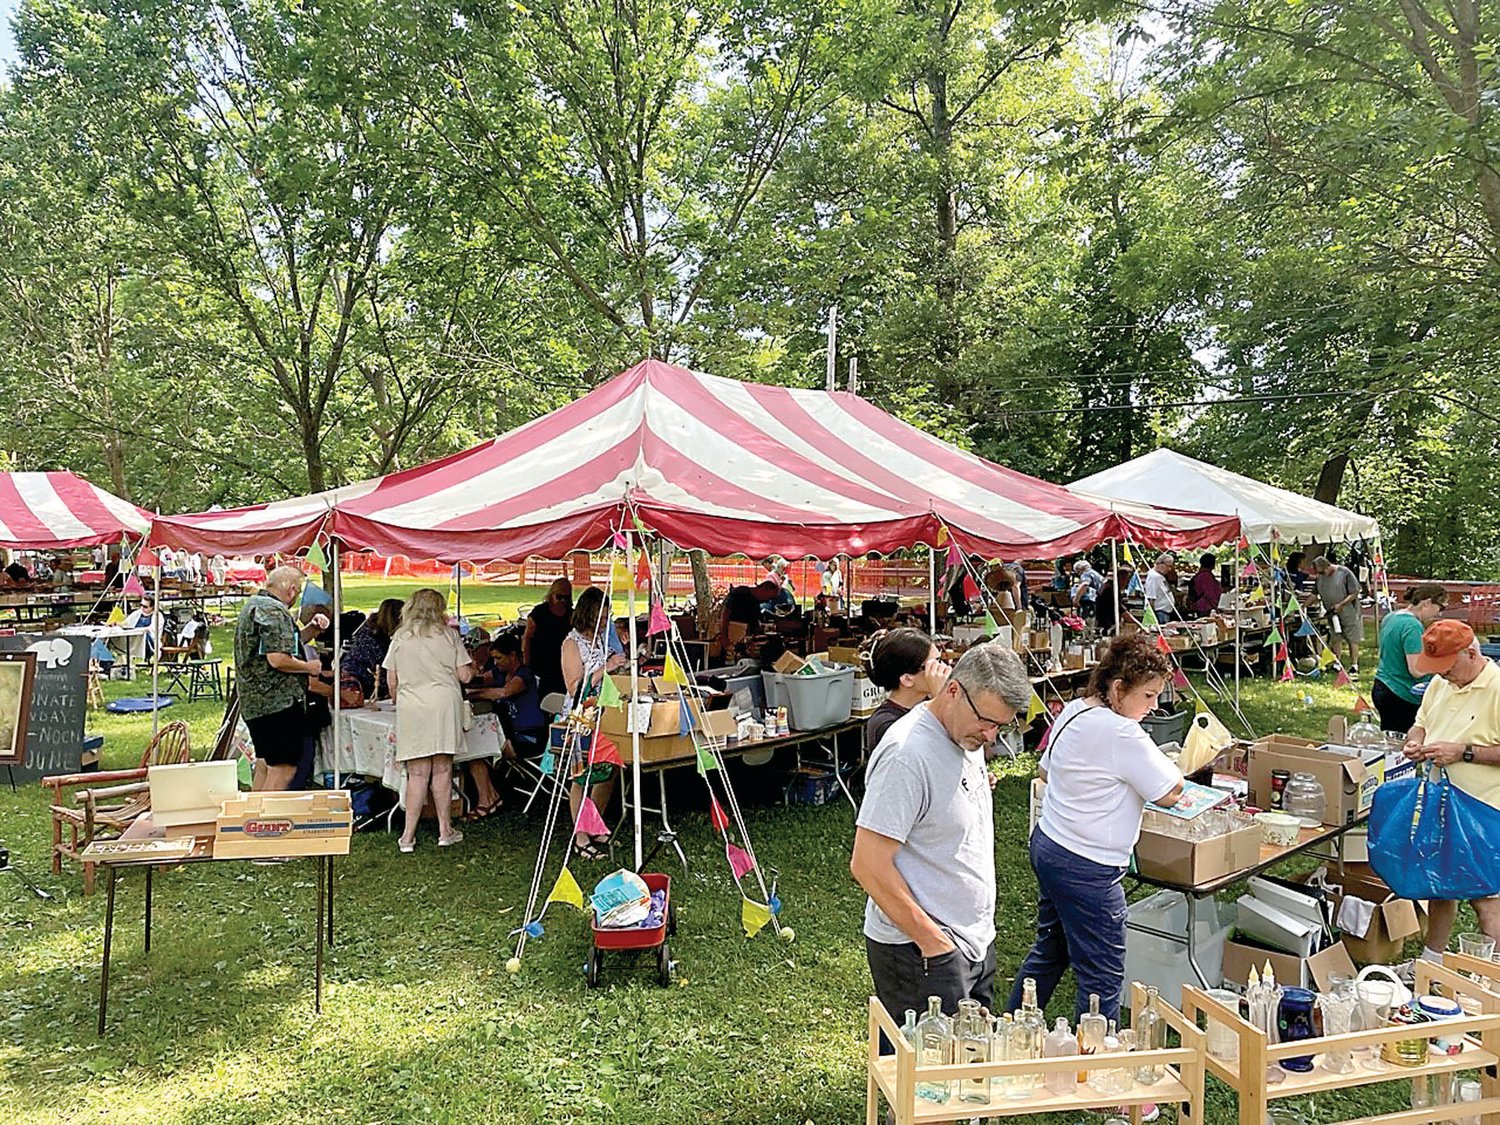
1057, 733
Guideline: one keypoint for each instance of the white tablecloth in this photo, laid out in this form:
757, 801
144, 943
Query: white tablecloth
367, 745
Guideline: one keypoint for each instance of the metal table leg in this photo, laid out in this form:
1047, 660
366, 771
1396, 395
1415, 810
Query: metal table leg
149, 870
667, 835
1192, 954
330, 901
109, 929
318, 925
838, 773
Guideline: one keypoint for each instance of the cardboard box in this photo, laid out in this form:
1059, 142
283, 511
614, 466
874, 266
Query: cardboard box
1315, 972
843, 654
789, 664
1188, 862
316, 822
677, 747
867, 696
666, 718
1349, 784
1394, 921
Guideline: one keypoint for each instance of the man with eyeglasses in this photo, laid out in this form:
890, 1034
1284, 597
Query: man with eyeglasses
924, 844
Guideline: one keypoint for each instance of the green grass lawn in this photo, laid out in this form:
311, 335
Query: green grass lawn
420, 1022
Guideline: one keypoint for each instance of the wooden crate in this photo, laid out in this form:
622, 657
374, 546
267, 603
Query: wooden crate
255, 825
895, 1076
1247, 1074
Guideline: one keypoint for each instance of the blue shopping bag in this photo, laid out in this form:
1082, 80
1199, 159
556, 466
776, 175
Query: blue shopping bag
1430, 839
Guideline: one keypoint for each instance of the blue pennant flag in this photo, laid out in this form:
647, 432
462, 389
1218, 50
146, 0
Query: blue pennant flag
684, 716
1135, 584
1306, 630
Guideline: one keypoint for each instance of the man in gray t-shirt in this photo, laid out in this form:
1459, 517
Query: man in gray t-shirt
1339, 592
924, 843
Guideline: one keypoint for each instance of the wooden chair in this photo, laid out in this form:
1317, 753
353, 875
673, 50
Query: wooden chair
104, 804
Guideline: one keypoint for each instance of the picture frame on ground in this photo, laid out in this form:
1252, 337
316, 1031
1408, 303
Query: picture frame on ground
17, 677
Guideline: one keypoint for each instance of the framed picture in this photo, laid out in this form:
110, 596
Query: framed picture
17, 676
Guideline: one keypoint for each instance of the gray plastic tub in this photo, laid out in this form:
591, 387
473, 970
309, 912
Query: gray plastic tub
813, 702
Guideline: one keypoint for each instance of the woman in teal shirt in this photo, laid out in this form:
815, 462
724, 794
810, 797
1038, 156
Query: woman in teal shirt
1395, 693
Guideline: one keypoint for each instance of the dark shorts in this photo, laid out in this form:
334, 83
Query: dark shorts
278, 737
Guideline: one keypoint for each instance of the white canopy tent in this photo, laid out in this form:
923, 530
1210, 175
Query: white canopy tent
1165, 478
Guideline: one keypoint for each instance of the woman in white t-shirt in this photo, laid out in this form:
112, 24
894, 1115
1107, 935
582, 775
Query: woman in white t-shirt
1101, 770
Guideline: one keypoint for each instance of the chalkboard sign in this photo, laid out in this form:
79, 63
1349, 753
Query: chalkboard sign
59, 695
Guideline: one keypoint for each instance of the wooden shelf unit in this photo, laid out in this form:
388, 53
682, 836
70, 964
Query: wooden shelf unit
895, 1076
1247, 1074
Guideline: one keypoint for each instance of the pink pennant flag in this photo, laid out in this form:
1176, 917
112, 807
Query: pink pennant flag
1343, 679
133, 587
147, 558
660, 622
1287, 673
1249, 570
1180, 680
955, 557
716, 815
739, 861
589, 820
618, 540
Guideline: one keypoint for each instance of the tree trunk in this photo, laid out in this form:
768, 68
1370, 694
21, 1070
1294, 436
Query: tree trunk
1331, 478
703, 593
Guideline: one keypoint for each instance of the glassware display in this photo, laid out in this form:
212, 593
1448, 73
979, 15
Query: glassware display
972, 1046
909, 1030
1150, 1035
1262, 998
1060, 1042
1338, 1007
1092, 1028
1294, 1022
1223, 1042
1304, 798
1000, 1051
1025, 1043
935, 1039
1366, 734
1107, 1080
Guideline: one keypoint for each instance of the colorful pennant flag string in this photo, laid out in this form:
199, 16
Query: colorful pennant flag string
566, 890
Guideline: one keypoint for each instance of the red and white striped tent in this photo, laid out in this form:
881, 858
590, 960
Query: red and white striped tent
51, 511
730, 467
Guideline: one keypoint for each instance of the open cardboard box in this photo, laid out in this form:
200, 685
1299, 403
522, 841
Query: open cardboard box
1349, 784
1316, 971
1394, 921
1193, 862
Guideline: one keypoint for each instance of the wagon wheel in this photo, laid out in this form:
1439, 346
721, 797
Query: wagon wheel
593, 968
664, 966
671, 920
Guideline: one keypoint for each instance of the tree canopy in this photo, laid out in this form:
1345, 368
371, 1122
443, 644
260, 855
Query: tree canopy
254, 247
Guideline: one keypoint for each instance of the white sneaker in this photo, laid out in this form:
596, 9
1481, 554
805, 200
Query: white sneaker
456, 837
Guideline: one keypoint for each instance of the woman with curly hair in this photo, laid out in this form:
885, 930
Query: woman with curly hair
1101, 770
426, 666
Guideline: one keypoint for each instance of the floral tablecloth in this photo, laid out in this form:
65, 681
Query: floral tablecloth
367, 745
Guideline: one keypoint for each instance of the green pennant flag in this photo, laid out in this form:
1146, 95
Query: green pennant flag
1149, 617
1293, 607
1274, 639
990, 628
316, 557
706, 761
609, 694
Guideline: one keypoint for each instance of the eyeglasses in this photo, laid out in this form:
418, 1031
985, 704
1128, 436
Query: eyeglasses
997, 724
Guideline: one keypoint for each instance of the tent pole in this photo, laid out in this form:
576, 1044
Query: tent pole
338, 644
635, 730
156, 639
1239, 653
458, 590
1375, 584
1114, 576
932, 591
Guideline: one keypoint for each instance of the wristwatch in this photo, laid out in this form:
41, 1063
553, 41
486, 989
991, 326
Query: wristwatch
1468, 753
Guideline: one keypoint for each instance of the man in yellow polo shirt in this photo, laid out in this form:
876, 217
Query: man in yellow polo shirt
1458, 726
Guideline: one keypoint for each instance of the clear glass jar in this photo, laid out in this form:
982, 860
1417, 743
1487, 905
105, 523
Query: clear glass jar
1366, 733
1304, 799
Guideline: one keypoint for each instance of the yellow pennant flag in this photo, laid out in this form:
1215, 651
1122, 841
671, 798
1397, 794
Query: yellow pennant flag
567, 890
620, 578
753, 916
1326, 658
672, 673
1127, 554
116, 616
1258, 594
942, 535
1035, 707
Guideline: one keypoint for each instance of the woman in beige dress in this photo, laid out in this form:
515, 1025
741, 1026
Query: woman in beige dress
425, 668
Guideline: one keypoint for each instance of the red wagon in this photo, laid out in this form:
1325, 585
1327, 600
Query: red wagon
636, 938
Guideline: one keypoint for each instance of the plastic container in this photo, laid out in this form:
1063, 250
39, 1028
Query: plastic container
1162, 962
1280, 830
1168, 728
816, 700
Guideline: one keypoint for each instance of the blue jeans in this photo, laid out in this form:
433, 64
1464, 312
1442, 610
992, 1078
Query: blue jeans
1080, 922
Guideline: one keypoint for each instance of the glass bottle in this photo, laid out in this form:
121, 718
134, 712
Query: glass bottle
1104, 1081
1367, 733
1304, 798
1150, 1035
935, 1036
1000, 1051
1025, 1044
909, 1030
972, 1038
1059, 1043
1092, 1027
1124, 1078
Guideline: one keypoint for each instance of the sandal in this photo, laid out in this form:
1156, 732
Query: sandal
590, 851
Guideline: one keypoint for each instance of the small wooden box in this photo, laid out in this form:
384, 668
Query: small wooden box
317, 822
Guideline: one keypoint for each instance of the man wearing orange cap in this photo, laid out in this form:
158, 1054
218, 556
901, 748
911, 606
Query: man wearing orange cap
1458, 726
